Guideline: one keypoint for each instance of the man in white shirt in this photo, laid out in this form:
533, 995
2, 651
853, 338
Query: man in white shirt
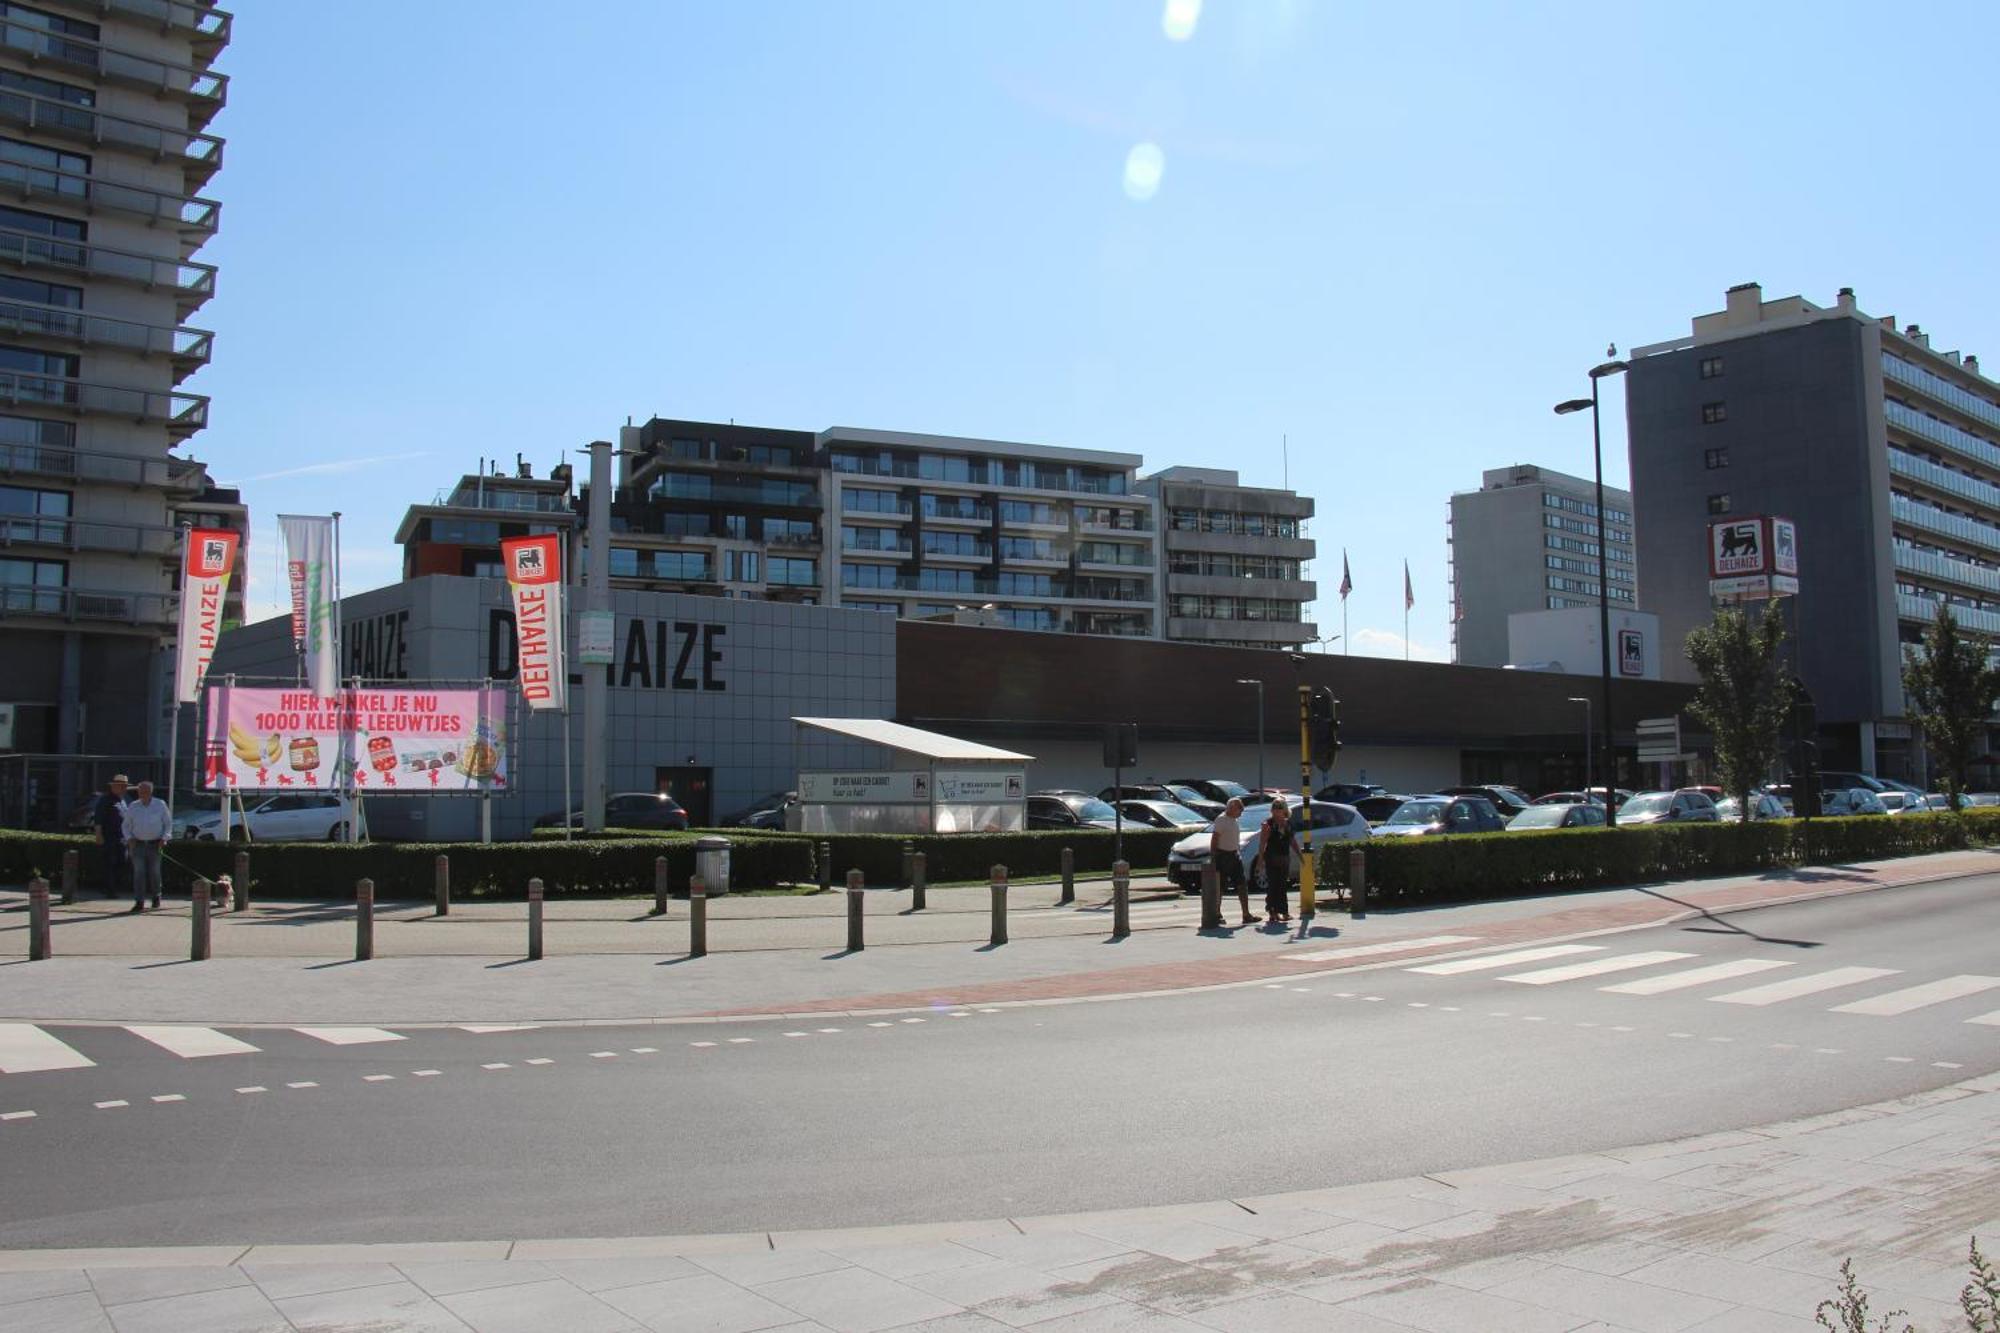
147, 825
1225, 843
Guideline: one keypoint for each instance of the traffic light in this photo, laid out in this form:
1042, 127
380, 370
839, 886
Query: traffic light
1323, 727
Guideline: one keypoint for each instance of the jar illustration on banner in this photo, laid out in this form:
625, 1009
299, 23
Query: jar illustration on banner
303, 754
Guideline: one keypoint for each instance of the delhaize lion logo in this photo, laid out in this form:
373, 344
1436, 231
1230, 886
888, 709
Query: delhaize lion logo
527, 564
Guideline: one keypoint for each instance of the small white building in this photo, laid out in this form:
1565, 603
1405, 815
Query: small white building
1567, 641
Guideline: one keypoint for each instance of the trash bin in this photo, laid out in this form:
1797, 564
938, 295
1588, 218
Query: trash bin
711, 864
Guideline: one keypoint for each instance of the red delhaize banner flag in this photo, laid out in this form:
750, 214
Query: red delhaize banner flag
534, 572
206, 565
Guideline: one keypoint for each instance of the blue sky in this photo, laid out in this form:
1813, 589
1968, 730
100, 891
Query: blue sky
1392, 234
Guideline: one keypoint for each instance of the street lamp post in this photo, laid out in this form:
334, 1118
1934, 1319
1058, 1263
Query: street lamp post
1603, 576
1260, 731
1581, 699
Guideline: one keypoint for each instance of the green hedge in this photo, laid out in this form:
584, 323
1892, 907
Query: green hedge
1473, 867
972, 856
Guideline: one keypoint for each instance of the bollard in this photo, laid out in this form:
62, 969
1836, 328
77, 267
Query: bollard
1211, 897
1069, 878
999, 883
1121, 899
38, 920
909, 856
659, 886
441, 884
240, 883
854, 892
826, 867
697, 918
917, 873
1357, 884
69, 877
199, 940
534, 921
364, 920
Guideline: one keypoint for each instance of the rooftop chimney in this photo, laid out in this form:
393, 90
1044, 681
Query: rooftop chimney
1845, 302
1972, 363
1744, 304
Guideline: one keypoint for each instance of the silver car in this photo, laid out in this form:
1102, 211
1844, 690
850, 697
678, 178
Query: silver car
1332, 822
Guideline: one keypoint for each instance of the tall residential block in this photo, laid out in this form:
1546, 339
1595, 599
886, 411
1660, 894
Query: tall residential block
1882, 447
1235, 559
1526, 540
106, 160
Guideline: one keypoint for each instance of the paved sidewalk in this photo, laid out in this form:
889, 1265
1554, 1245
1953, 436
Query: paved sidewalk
1723, 1234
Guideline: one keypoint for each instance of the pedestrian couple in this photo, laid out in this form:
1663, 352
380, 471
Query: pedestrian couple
131, 835
1274, 855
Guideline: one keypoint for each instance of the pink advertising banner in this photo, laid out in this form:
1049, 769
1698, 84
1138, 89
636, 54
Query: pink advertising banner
411, 741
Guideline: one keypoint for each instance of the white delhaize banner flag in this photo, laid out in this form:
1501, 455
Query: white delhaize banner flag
534, 573
309, 568
206, 564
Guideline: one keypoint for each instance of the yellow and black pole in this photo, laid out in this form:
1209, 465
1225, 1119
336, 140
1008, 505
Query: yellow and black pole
1306, 809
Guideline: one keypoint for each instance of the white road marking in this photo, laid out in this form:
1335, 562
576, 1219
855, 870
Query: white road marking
645, 1050
106, 1106
425, 1073
191, 1043
25, 1048
170, 1097
497, 1064
881, 1025
741, 1041
1900, 1059
257, 1088
306, 1084
1388, 946
701, 1043
1919, 997
497, 1027
539, 1060
829, 1029
604, 1055
1793, 987
1946, 1064
1694, 976
17, 1115
989, 1011
1596, 967
376, 1078
798, 1034
1458, 965
913, 1020
1991, 1020
349, 1036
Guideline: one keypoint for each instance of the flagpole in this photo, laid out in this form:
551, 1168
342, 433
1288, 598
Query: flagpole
333, 603
174, 732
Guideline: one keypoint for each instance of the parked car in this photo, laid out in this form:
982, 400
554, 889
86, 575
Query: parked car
1063, 810
766, 812
628, 809
1837, 780
1897, 801
1976, 798
1685, 806
1186, 797
1161, 814
1215, 789
1506, 800
1569, 798
301, 816
1580, 815
1426, 815
1852, 801
1332, 822
1377, 809
1763, 805
1347, 793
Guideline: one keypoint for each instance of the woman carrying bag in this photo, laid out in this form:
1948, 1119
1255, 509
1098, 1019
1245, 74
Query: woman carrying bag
1274, 855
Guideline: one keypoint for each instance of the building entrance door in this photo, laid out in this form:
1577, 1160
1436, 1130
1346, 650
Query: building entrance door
694, 788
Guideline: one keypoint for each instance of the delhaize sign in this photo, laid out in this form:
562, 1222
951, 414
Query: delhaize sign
1753, 558
534, 573
206, 564
274, 739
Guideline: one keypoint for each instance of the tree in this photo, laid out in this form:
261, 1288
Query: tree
1743, 698
1951, 683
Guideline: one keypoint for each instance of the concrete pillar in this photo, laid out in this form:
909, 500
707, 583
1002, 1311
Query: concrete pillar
364, 920
918, 871
1121, 900
199, 939
1068, 878
854, 896
999, 888
441, 884
1357, 883
826, 867
1211, 897
697, 918
659, 886
534, 920
38, 920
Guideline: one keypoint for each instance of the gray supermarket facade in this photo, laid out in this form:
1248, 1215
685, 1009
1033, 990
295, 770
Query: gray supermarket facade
703, 690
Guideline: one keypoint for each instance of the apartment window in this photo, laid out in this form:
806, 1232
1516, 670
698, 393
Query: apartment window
1714, 458
1712, 413
624, 562
795, 572
1718, 504
32, 585
48, 89
23, 434
28, 17
1711, 367
33, 165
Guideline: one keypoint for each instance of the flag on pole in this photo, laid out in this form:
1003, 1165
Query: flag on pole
1346, 579
534, 574
309, 568
206, 563
1409, 597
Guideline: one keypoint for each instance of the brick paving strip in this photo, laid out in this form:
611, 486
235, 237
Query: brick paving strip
1664, 906
1738, 1230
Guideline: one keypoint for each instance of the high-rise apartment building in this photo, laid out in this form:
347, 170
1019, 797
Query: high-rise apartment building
105, 157
1882, 448
1234, 558
1526, 540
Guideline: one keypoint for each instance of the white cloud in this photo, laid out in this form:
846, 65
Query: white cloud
1387, 643
339, 465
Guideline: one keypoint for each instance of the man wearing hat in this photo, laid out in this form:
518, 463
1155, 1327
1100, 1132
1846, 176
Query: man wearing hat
147, 824
108, 818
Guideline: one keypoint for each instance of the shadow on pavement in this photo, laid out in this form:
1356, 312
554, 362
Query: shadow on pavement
1723, 926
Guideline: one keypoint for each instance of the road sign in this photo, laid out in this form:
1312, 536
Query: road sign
1659, 739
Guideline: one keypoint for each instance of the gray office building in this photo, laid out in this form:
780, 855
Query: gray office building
1526, 540
1235, 558
1886, 452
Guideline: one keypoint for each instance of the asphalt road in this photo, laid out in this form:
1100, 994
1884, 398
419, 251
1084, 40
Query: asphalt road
641, 1130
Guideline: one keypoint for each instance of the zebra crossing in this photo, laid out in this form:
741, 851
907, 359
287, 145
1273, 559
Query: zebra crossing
27, 1048
1587, 963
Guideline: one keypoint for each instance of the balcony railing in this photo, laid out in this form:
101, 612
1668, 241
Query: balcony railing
182, 413
94, 194
82, 534
193, 283
1944, 567
189, 349
203, 91
200, 155
209, 25
1925, 610
40, 460
1949, 525
83, 604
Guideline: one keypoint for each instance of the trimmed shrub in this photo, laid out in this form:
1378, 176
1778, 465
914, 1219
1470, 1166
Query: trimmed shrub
972, 856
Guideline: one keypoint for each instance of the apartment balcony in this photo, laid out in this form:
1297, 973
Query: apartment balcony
207, 26
195, 218
1236, 585
1131, 557
1969, 530
188, 349
191, 283
203, 91
198, 155
182, 476
1236, 543
86, 606
1137, 525
82, 534
1273, 632
1923, 610
959, 519
1961, 572
181, 413
795, 541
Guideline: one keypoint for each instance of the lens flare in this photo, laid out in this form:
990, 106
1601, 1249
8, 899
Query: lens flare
1179, 19
1143, 167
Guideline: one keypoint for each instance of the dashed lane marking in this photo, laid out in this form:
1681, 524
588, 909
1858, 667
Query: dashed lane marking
254, 1088
110, 1105
425, 1073
1461, 965
303, 1083
377, 1078
17, 1115
170, 1097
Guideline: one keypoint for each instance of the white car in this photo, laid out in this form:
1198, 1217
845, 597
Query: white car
1332, 822
1763, 805
302, 816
